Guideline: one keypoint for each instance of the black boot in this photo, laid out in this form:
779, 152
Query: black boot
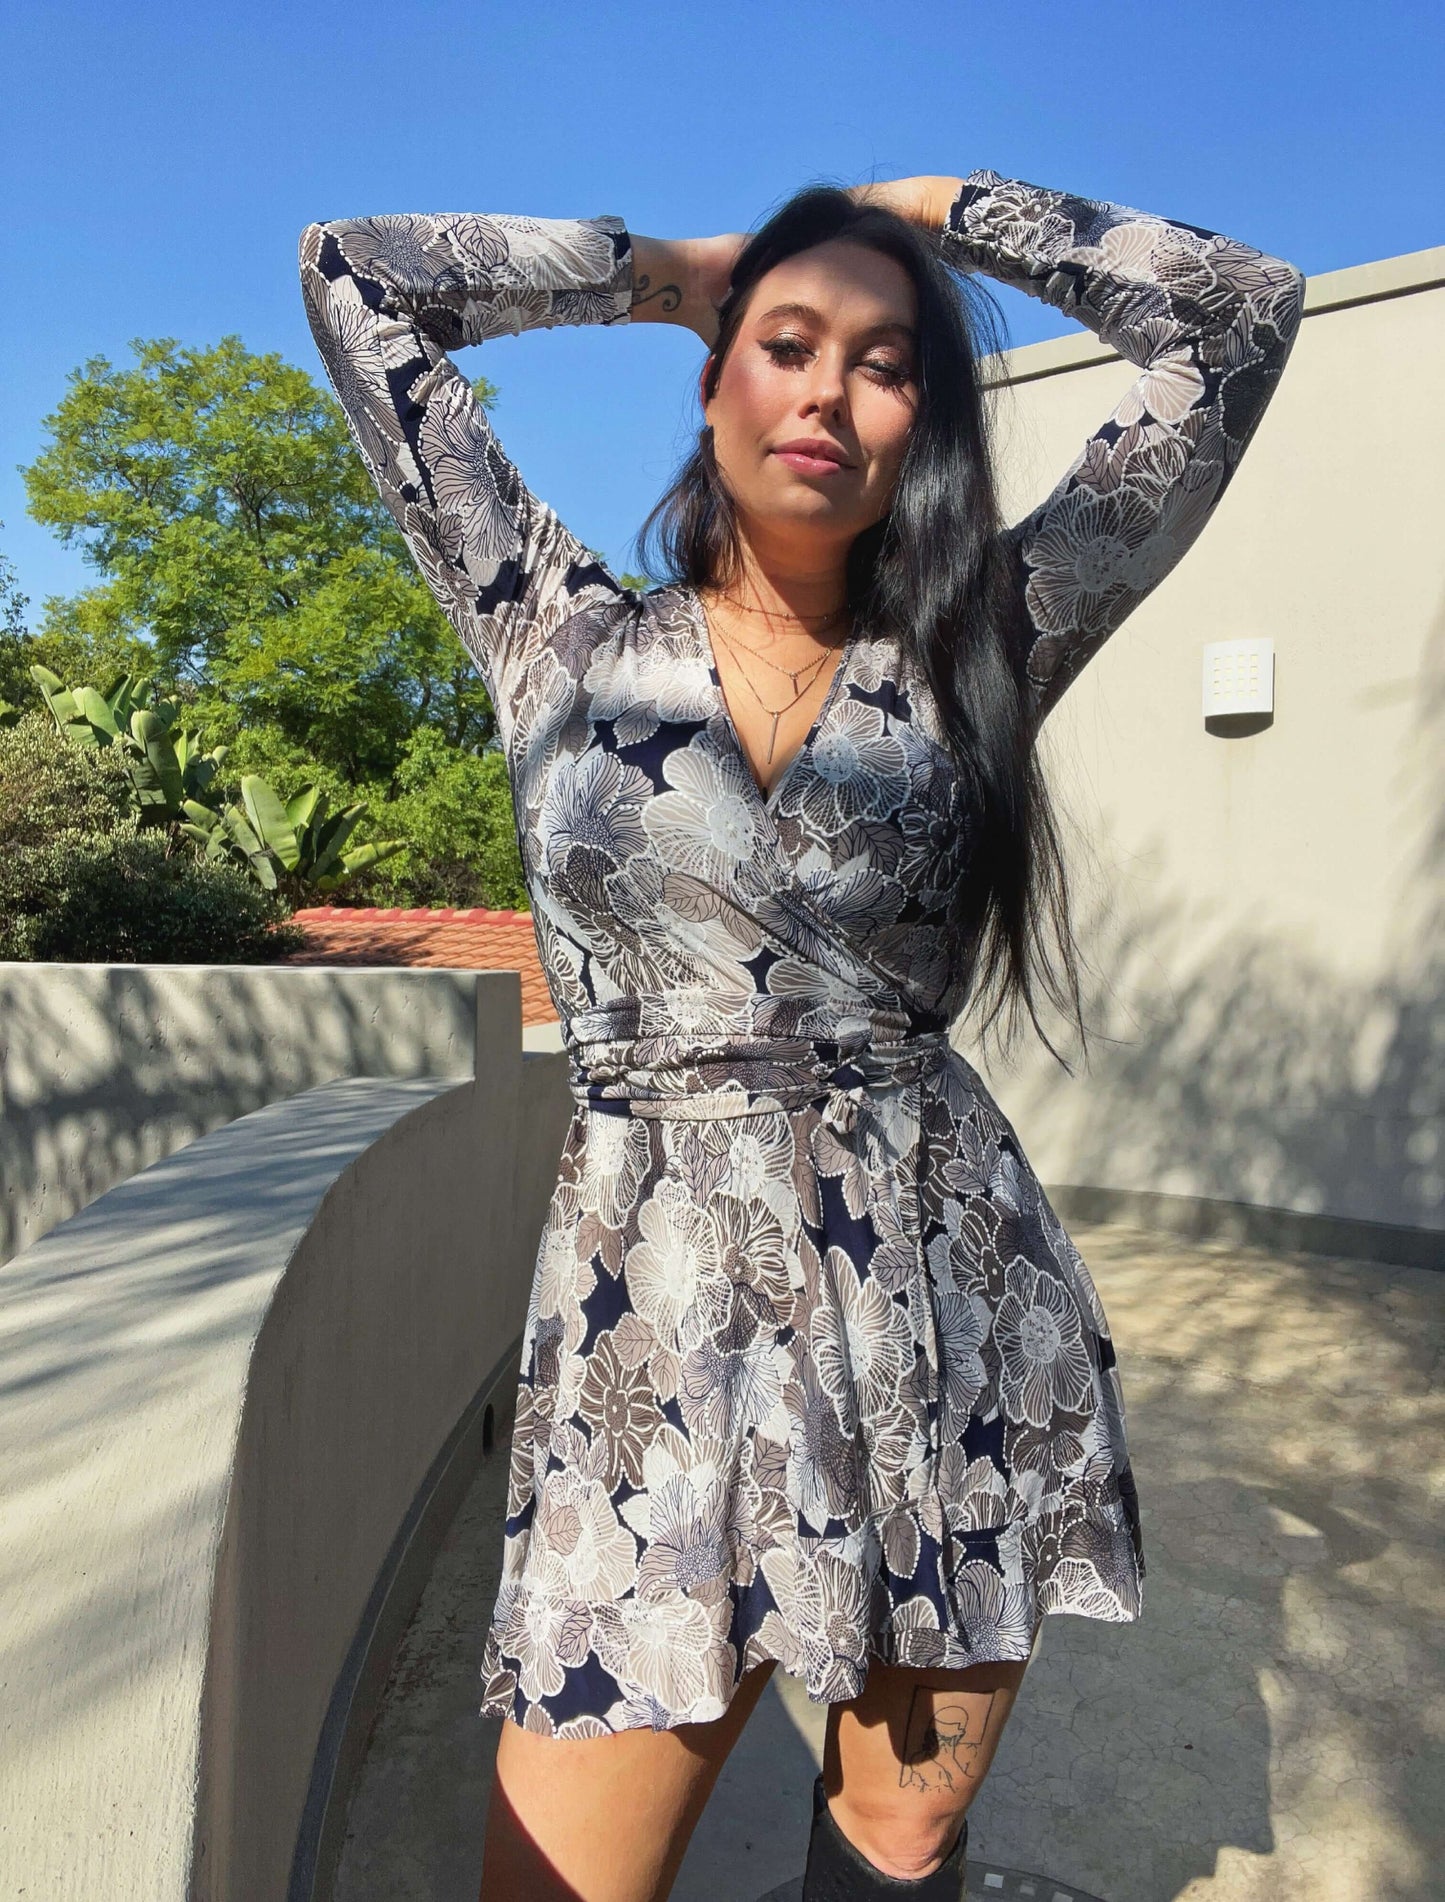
837, 1872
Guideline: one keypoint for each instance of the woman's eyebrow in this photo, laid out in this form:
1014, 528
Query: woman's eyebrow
806, 314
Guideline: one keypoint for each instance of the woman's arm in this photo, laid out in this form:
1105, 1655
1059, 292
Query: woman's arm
386, 299
1210, 322
682, 280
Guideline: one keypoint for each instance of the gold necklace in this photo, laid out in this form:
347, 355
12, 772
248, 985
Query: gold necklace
776, 713
770, 614
794, 674
795, 614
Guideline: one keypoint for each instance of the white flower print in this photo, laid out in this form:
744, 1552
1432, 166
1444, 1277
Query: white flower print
997, 1618
640, 688
677, 1252
1045, 1365
616, 1160
979, 1497
1167, 391
916, 1637
674, 1654
715, 936
511, 310
687, 1552
822, 1454
557, 254
752, 1250
858, 767
708, 824
542, 1635
1081, 561
963, 1322
457, 440
831, 1610
855, 1337
593, 807
580, 1546
346, 335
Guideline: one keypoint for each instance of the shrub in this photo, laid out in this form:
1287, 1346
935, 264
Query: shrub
77, 879
48, 786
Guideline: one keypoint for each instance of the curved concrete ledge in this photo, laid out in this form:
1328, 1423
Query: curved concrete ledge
235, 1395
106, 1068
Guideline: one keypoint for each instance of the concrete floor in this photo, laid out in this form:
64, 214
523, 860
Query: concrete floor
1272, 1730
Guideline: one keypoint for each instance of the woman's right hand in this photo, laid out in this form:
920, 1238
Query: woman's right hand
683, 280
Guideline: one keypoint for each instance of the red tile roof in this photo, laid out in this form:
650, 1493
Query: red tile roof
457, 940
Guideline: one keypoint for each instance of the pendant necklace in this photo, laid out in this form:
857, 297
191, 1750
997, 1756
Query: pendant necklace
811, 669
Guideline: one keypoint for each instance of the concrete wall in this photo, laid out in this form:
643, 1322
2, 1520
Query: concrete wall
224, 1390
105, 1068
1264, 913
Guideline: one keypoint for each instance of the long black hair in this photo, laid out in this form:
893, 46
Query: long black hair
933, 573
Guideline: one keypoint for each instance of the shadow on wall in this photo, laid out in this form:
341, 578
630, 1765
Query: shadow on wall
130, 1326
1265, 1076
105, 1069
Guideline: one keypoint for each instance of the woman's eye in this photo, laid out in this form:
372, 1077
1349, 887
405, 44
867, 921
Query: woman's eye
887, 370
786, 348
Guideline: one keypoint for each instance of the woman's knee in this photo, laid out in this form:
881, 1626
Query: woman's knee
904, 1834
905, 1759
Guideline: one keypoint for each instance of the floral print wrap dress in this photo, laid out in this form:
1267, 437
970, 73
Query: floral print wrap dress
811, 1372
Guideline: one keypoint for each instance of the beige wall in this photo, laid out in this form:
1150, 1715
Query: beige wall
1264, 914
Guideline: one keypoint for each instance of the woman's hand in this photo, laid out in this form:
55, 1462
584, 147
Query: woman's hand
683, 280
922, 201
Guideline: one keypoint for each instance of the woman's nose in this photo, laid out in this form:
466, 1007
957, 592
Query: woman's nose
827, 391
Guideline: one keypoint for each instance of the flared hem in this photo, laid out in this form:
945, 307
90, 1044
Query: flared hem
574, 1680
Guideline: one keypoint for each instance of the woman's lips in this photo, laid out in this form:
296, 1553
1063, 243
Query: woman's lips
812, 459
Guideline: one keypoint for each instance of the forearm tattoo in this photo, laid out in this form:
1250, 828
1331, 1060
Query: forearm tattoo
942, 1739
643, 292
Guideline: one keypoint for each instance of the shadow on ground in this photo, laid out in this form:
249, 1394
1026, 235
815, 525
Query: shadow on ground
1270, 1730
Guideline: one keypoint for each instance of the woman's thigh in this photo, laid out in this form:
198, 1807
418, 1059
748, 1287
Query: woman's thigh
603, 1819
904, 1760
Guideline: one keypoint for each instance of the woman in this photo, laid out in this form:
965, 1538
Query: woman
812, 1374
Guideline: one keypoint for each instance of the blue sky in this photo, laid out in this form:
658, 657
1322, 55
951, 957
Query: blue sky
160, 160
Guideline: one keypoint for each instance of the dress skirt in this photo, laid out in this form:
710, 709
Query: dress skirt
818, 1381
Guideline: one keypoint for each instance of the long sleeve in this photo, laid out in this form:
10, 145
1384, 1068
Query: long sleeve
1210, 324
386, 298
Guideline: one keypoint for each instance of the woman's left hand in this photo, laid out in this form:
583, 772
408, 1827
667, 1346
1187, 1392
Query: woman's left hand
922, 201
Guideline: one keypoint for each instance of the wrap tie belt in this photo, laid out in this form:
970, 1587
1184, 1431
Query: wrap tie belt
758, 1079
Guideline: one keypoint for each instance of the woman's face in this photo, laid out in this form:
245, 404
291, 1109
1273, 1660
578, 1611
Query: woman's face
816, 396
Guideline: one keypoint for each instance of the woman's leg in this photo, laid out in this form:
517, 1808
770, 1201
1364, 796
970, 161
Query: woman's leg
603, 1819
903, 1762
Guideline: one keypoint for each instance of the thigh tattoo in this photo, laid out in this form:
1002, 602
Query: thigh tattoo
942, 1739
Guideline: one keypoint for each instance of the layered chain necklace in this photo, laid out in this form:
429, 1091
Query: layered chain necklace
807, 673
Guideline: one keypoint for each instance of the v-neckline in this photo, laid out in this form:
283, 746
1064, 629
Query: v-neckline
767, 796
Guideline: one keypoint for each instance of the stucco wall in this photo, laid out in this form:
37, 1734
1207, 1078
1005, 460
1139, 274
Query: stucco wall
221, 1386
1265, 915
105, 1068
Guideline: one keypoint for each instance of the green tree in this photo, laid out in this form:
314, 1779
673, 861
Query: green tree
12, 602
13, 638
239, 538
455, 810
